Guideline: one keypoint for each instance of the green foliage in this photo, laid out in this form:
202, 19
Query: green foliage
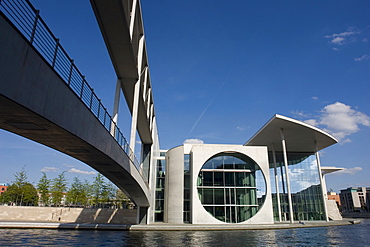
29, 195
58, 186
43, 188
122, 199
51, 191
97, 188
21, 192
20, 177
79, 193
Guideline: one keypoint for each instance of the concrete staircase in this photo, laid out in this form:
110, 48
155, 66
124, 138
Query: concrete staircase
333, 211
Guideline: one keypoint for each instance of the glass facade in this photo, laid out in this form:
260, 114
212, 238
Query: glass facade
159, 191
306, 191
231, 187
187, 210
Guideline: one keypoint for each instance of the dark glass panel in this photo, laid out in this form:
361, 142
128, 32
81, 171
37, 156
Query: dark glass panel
239, 179
207, 178
219, 179
207, 196
219, 196
229, 179
220, 213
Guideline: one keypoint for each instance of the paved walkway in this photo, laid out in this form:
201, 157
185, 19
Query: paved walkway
167, 227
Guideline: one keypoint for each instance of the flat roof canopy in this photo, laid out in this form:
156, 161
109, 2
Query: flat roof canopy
299, 136
330, 169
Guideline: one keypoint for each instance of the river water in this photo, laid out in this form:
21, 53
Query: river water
350, 235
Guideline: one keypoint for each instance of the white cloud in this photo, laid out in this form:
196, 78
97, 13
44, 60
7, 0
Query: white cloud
49, 169
193, 141
340, 120
314, 98
241, 128
312, 122
342, 38
350, 171
362, 58
299, 114
74, 170
337, 41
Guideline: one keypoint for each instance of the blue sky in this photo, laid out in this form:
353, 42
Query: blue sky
221, 69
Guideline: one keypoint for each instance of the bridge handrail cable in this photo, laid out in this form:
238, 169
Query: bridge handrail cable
27, 20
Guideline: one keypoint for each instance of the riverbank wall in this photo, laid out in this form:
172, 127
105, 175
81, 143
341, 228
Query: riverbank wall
68, 215
362, 215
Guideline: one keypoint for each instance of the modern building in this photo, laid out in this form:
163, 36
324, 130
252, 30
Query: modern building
275, 176
355, 199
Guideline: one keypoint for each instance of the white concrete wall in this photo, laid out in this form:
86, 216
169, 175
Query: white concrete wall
174, 186
201, 153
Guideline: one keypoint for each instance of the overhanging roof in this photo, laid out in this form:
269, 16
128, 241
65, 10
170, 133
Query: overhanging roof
299, 136
330, 169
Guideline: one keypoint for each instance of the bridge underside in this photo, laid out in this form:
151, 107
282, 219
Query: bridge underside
36, 103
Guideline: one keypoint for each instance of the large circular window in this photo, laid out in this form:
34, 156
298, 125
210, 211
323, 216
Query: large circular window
231, 187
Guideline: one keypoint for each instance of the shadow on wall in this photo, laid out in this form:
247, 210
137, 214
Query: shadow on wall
104, 215
68, 215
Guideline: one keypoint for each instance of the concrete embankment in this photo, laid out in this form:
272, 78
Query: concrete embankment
167, 227
121, 219
68, 215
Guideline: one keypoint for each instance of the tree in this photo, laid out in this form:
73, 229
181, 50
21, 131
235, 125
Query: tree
29, 195
20, 177
43, 188
79, 192
108, 192
122, 199
97, 188
21, 192
59, 185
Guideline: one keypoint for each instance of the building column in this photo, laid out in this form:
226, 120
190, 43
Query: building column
323, 186
276, 182
135, 105
116, 107
291, 215
142, 213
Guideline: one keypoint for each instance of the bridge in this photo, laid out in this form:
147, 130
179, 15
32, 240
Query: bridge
45, 98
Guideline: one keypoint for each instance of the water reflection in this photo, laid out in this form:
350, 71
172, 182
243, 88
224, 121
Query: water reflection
351, 235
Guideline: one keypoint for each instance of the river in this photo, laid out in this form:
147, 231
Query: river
349, 235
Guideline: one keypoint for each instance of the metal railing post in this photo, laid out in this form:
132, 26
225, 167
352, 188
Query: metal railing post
70, 73
34, 26
55, 53
91, 99
82, 86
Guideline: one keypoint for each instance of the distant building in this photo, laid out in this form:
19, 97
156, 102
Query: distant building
335, 197
3, 187
355, 199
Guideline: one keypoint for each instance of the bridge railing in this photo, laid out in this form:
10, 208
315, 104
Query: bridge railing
27, 20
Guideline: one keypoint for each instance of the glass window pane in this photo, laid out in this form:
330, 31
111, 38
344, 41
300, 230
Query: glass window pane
207, 178
239, 179
229, 179
219, 196
207, 196
219, 179
220, 213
